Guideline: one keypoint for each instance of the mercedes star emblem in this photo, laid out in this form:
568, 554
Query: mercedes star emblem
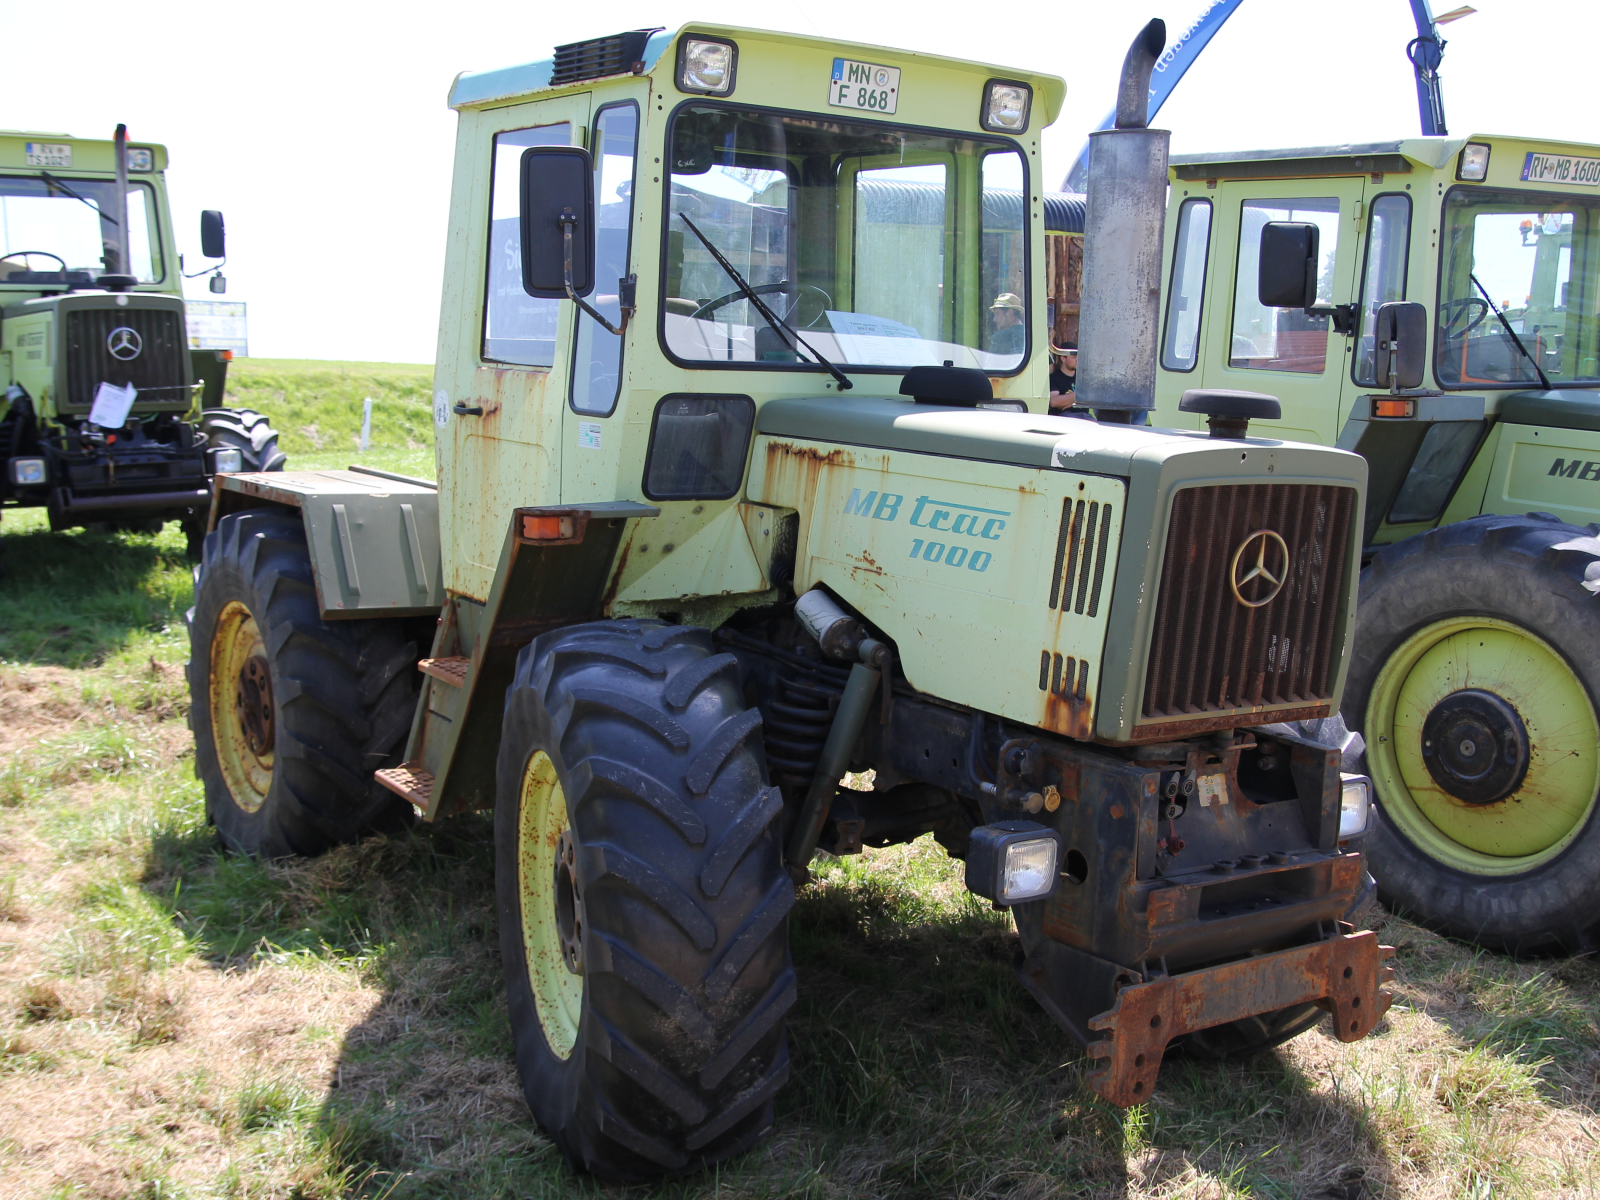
1259, 567
124, 343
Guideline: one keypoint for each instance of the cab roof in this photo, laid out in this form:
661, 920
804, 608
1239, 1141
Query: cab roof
1397, 157
475, 89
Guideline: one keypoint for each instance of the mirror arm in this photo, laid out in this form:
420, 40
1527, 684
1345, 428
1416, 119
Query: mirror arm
625, 287
1343, 316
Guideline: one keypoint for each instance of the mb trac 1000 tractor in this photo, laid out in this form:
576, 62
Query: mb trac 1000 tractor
745, 481
108, 417
1433, 304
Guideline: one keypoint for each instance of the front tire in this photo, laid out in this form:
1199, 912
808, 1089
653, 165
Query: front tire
1474, 683
291, 714
643, 899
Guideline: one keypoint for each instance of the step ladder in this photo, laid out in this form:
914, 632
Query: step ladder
446, 680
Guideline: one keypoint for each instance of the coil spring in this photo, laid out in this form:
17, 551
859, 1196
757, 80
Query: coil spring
797, 724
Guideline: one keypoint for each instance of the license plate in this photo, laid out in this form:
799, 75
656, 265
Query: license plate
1561, 168
870, 86
48, 154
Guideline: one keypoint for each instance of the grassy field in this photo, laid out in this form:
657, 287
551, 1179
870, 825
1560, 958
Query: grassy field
175, 1022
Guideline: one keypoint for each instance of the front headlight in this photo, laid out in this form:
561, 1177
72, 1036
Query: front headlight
225, 461
27, 472
1474, 162
1012, 862
1005, 106
706, 67
1355, 805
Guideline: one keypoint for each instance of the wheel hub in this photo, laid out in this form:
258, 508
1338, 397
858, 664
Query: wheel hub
252, 700
569, 907
1475, 746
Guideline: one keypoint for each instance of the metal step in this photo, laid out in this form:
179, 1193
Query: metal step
448, 670
410, 781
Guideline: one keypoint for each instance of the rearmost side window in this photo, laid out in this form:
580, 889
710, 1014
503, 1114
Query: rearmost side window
1383, 279
1180, 347
517, 328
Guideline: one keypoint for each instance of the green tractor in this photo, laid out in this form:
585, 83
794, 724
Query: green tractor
1433, 305
745, 481
108, 418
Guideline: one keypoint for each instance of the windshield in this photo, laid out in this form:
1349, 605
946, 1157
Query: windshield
882, 247
1538, 258
62, 231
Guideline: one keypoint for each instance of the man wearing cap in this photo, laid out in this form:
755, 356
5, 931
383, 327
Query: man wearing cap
1063, 376
1009, 335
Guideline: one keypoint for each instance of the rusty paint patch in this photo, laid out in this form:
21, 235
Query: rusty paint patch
1116, 811
1177, 730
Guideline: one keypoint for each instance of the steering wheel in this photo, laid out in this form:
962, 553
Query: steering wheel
45, 253
1453, 313
800, 292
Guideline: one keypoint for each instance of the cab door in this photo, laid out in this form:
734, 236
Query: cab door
1300, 359
504, 356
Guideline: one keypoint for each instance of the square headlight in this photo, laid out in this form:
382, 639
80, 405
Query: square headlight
225, 460
27, 472
706, 66
1355, 805
1473, 166
1005, 106
141, 158
1012, 862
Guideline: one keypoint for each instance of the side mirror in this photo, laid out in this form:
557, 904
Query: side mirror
1400, 334
1288, 265
557, 222
213, 236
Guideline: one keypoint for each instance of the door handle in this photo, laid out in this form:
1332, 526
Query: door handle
461, 409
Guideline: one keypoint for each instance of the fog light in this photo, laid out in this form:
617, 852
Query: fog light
225, 461
706, 67
1474, 163
1012, 862
1355, 805
27, 472
1005, 106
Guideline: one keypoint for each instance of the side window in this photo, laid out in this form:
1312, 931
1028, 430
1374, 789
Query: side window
517, 328
597, 361
1003, 288
1384, 277
1181, 347
1282, 339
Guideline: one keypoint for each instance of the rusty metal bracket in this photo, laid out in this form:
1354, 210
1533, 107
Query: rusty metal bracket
1344, 975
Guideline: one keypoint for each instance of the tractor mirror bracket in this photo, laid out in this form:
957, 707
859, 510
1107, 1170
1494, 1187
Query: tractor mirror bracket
557, 227
1400, 351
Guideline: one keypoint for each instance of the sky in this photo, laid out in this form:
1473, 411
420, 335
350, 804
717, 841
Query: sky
322, 133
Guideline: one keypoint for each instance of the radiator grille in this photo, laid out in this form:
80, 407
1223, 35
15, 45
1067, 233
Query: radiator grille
1080, 557
158, 369
1211, 653
618, 54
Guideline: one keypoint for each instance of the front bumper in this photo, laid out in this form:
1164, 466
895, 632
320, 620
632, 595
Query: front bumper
1344, 974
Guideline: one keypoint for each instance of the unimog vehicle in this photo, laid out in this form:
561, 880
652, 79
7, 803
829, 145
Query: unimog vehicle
1431, 304
745, 481
91, 304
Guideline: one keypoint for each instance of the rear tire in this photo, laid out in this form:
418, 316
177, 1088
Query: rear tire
1492, 610
643, 900
291, 715
247, 431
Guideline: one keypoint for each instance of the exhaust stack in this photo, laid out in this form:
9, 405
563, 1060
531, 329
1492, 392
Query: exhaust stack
124, 246
1120, 322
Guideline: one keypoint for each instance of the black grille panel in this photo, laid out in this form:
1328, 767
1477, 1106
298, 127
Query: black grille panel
158, 370
619, 54
1080, 557
1209, 652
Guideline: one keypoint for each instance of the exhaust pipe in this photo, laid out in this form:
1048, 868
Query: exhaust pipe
124, 257
1120, 323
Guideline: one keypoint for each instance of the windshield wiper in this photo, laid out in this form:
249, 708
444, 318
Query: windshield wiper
45, 175
778, 327
1533, 362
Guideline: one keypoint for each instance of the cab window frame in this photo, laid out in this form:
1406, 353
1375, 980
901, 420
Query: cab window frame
483, 355
593, 135
1200, 291
1372, 203
992, 143
155, 212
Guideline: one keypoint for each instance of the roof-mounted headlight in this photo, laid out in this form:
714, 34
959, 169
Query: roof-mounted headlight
706, 66
1005, 106
1473, 166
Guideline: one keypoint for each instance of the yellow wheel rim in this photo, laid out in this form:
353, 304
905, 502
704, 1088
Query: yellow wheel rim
1550, 805
242, 715
541, 822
